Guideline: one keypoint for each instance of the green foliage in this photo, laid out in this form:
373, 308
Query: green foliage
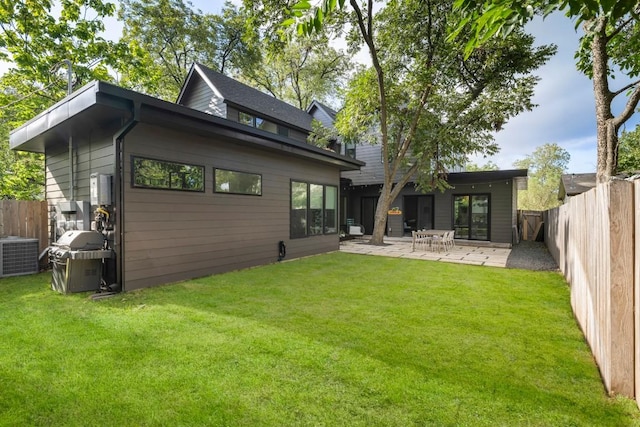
609, 46
489, 166
322, 136
166, 36
629, 153
438, 108
423, 100
546, 165
501, 17
36, 42
289, 344
301, 71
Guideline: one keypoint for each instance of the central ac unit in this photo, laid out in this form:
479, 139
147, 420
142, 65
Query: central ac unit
19, 256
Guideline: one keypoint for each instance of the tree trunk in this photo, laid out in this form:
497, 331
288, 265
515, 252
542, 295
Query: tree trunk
607, 140
380, 222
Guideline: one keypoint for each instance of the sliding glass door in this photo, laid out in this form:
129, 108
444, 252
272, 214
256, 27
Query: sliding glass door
471, 216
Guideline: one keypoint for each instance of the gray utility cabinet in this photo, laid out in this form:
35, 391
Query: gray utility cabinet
395, 225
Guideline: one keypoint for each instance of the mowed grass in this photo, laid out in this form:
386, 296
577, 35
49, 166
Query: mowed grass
332, 340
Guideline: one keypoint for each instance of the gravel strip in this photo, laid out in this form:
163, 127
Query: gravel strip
530, 255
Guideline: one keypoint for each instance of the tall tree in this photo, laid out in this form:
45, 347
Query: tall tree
301, 71
611, 41
37, 42
166, 36
546, 165
427, 105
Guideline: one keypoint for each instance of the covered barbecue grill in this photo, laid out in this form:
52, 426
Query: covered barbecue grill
77, 261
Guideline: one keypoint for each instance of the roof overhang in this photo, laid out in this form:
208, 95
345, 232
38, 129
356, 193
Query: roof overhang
479, 177
98, 104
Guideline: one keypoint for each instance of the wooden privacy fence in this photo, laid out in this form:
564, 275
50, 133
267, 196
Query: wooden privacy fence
592, 239
25, 219
530, 224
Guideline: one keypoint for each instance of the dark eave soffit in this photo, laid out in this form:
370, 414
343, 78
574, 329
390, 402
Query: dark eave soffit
99, 103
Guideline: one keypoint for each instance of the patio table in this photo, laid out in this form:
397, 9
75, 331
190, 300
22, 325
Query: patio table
421, 237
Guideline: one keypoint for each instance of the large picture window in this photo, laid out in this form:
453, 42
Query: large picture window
160, 174
313, 209
228, 181
471, 216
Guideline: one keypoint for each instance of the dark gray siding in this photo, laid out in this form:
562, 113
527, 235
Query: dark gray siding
201, 97
321, 116
297, 135
92, 152
175, 235
373, 172
501, 199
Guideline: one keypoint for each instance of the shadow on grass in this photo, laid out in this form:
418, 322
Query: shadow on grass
336, 339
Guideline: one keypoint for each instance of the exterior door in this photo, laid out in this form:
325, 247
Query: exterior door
418, 212
471, 216
369, 205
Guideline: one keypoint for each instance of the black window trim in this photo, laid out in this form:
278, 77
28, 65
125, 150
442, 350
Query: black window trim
469, 194
133, 157
231, 192
308, 207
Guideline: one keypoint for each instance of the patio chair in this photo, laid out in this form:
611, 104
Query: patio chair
420, 241
448, 240
445, 241
356, 230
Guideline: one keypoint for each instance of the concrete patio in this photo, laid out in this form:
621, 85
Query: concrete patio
462, 253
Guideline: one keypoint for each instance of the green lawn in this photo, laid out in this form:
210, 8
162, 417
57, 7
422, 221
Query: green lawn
335, 340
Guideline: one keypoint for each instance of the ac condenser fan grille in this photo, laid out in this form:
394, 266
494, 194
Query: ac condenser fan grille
19, 256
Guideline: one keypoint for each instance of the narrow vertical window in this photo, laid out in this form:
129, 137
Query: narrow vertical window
331, 209
299, 197
315, 209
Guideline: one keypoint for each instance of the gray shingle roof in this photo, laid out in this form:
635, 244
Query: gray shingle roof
255, 101
576, 183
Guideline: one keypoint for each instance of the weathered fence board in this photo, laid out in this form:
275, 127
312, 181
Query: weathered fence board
25, 219
592, 239
636, 287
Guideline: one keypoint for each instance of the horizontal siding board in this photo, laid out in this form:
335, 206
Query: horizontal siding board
176, 235
201, 97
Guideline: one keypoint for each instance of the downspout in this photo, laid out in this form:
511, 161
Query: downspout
118, 140
71, 189
69, 91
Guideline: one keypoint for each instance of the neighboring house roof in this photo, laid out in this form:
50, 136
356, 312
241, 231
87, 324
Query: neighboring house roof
572, 184
99, 104
246, 98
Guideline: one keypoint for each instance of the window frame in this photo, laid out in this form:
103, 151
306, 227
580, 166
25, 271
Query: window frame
215, 185
134, 169
258, 121
309, 228
470, 224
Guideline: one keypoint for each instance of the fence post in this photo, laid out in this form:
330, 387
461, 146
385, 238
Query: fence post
621, 310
